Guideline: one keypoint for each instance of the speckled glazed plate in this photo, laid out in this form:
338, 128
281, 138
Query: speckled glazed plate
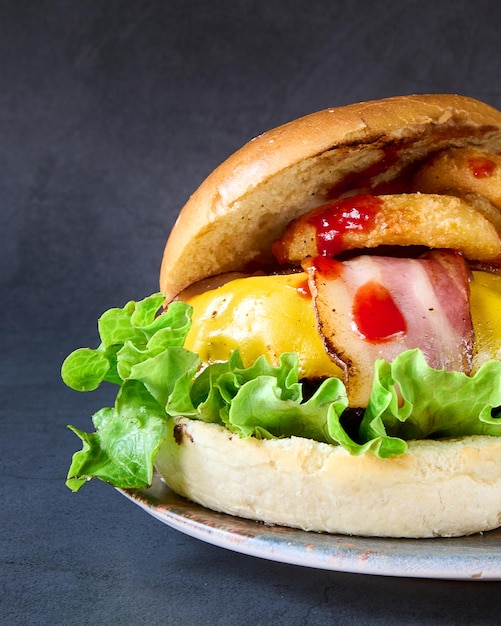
477, 557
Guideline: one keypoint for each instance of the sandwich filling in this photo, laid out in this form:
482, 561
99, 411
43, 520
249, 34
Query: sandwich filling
375, 323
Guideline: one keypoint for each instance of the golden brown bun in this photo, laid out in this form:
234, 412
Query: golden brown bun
245, 204
437, 489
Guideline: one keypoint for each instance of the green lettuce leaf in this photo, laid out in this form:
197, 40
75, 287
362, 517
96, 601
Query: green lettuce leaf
122, 450
159, 379
142, 352
129, 335
264, 400
411, 400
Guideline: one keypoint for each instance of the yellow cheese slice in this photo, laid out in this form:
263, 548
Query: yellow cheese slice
485, 307
260, 315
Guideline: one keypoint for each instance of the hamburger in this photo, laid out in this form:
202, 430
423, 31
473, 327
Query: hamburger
325, 348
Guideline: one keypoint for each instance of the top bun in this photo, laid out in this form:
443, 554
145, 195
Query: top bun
245, 204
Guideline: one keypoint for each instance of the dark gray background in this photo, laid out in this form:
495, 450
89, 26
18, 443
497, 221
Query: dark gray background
111, 114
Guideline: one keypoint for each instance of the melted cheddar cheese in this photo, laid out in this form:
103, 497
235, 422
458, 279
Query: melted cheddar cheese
485, 308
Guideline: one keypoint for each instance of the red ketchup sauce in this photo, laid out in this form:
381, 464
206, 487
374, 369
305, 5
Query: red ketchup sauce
481, 167
328, 268
332, 221
303, 289
375, 314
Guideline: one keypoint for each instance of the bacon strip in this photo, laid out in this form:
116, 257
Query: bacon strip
374, 307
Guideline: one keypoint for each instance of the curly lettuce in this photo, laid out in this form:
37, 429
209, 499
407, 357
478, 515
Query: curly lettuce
142, 352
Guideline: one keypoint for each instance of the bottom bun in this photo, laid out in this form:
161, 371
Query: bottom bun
437, 489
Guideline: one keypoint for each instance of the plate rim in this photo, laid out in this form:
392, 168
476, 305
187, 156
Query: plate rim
412, 558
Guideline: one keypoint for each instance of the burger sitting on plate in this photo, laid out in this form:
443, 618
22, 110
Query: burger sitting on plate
325, 349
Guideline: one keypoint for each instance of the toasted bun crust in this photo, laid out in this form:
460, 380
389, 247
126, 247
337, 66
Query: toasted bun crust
237, 212
437, 489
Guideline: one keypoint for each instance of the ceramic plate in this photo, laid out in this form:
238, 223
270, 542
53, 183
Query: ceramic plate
477, 557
